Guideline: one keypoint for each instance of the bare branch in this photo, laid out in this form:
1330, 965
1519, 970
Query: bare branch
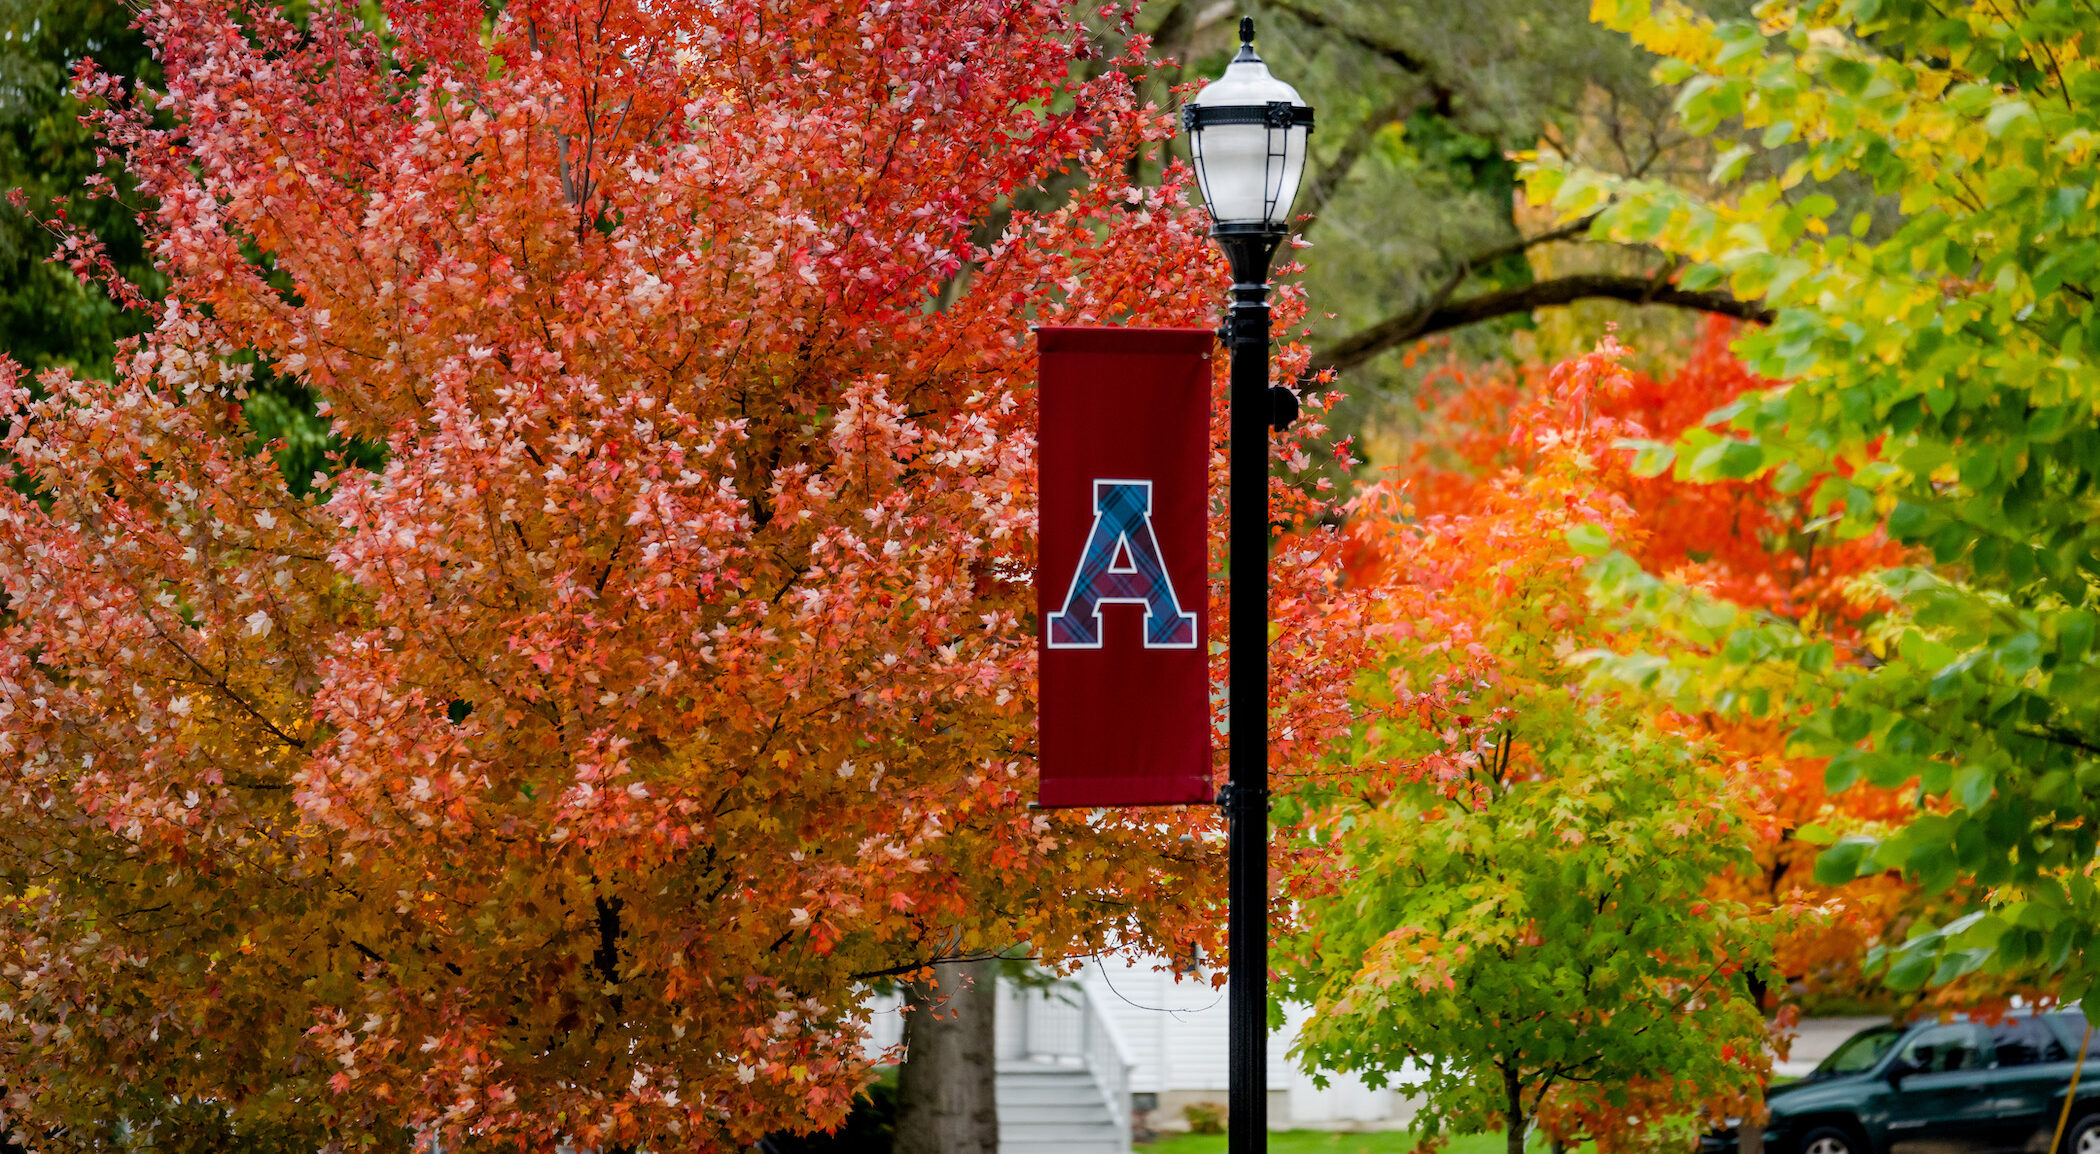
900, 970
1570, 230
1395, 53
1443, 316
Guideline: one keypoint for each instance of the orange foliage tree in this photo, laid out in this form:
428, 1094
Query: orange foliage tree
1484, 736
1754, 543
1509, 896
560, 780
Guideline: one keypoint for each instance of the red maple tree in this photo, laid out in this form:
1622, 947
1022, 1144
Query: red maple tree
562, 779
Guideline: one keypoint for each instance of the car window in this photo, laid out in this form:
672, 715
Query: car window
1859, 1052
1944, 1049
2025, 1042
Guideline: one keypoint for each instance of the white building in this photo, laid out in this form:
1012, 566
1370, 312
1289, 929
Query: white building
1126, 1043
1176, 1032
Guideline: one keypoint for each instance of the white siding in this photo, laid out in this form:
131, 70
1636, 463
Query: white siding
885, 1024
1176, 1032
1177, 1028
1345, 1100
1121, 990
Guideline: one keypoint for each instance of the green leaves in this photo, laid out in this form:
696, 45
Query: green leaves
1650, 458
1849, 77
1736, 460
1564, 920
1589, 540
1844, 861
1939, 391
2007, 114
1729, 165
1938, 956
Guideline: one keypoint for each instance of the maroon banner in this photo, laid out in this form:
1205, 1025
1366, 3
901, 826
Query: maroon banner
1122, 591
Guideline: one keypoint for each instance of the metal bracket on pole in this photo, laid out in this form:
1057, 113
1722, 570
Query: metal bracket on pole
1229, 796
1283, 406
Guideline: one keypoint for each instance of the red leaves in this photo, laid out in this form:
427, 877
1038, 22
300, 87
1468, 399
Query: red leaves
688, 596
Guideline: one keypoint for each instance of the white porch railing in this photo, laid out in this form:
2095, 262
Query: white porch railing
1061, 1025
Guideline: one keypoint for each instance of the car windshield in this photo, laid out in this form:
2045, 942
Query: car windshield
1859, 1053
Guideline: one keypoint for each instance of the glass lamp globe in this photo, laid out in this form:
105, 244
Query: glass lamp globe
1247, 132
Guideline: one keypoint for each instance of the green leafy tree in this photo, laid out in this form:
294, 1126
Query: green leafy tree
1942, 389
1508, 961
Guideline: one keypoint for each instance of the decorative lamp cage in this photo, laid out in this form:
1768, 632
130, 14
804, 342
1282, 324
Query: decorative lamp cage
1247, 132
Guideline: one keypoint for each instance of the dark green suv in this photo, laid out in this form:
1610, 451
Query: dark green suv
1959, 1087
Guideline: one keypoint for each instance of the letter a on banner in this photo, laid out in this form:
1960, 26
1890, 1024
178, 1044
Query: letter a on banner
1123, 437
1121, 565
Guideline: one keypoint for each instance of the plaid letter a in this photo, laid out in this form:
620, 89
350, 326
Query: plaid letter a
1121, 565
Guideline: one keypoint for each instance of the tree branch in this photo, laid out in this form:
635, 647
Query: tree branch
1442, 316
2058, 735
1465, 267
1568, 231
369, 953
898, 971
1396, 54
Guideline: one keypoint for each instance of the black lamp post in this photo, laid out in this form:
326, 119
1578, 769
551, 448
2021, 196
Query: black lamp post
1247, 131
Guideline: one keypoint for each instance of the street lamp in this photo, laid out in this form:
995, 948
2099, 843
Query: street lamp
1247, 132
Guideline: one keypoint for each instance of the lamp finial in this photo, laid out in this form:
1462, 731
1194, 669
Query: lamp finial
1246, 29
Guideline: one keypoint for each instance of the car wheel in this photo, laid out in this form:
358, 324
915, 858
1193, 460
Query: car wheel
1831, 1140
2084, 1137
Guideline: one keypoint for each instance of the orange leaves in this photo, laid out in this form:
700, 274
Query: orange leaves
1752, 542
1470, 561
485, 785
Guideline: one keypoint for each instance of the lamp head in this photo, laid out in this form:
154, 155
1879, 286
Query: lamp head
1247, 132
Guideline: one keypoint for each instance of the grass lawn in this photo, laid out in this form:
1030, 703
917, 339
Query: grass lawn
1326, 1142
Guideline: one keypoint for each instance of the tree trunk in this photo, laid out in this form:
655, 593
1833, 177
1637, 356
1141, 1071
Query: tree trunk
1750, 1136
944, 1088
1513, 1093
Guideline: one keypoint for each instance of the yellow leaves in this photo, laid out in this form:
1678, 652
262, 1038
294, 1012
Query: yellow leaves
1932, 83
2076, 146
1617, 12
1668, 29
1579, 199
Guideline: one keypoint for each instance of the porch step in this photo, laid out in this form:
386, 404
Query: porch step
1052, 1109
